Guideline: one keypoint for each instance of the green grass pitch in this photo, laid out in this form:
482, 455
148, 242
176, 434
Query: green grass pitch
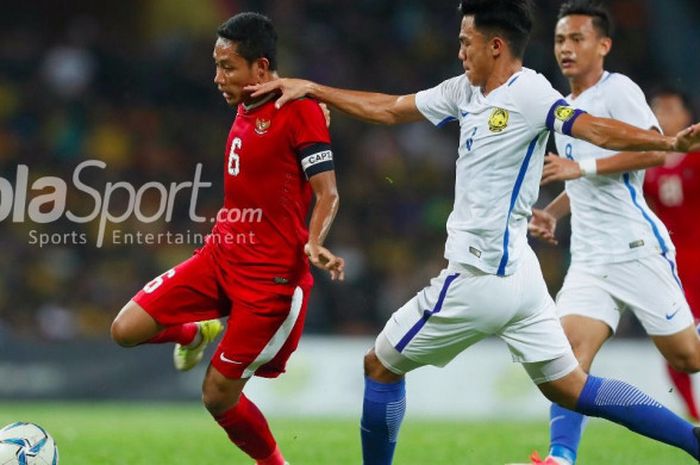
183, 434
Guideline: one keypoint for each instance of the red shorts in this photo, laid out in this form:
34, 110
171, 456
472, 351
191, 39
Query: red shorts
265, 315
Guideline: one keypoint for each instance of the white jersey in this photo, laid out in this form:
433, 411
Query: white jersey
610, 220
502, 142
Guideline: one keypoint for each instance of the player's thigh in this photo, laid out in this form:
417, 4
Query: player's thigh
263, 330
460, 307
584, 293
533, 333
186, 293
650, 288
586, 336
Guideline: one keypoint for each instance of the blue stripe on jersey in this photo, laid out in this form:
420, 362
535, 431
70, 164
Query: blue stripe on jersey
426, 314
449, 119
514, 196
550, 113
654, 227
513, 80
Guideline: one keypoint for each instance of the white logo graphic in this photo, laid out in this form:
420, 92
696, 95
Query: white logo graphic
223, 358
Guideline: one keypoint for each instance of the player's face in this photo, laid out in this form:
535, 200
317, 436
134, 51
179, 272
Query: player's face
474, 52
671, 113
233, 72
578, 46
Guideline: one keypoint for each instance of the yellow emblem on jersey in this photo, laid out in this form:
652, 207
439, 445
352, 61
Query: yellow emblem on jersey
261, 126
563, 113
498, 120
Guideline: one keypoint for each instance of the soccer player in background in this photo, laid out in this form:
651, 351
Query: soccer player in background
493, 284
622, 257
673, 191
254, 271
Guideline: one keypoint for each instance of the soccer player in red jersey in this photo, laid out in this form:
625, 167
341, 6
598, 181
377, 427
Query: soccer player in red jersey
254, 267
673, 191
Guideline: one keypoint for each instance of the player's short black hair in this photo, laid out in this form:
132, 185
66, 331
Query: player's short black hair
255, 36
669, 90
512, 18
601, 17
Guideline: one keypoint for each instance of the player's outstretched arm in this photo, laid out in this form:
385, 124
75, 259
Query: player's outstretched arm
367, 106
543, 223
616, 135
325, 208
558, 168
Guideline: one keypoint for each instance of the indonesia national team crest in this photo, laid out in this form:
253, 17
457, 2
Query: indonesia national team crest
261, 126
498, 120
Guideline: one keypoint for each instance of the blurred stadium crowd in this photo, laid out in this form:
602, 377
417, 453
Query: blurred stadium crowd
130, 83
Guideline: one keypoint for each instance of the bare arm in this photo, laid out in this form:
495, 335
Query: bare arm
543, 223
562, 169
322, 216
616, 135
368, 106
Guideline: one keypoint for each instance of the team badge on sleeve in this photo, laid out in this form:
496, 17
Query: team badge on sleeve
498, 120
561, 117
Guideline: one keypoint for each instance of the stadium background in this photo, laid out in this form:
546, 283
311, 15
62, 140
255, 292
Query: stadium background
130, 83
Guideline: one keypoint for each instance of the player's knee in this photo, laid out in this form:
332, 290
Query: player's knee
685, 362
121, 333
217, 397
376, 371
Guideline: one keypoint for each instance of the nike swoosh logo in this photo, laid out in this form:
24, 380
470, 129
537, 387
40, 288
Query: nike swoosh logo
560, 417
464, 113
670, 316
223, 358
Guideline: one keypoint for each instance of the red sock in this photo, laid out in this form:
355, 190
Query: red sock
247, 428
182, 334
684, 386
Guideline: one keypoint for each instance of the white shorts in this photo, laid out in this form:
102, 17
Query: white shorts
649, 287
464, 305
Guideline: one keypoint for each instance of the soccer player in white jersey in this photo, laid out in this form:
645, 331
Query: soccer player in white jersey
493, 284
622, 257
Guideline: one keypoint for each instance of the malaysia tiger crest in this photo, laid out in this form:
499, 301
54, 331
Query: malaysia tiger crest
498, 120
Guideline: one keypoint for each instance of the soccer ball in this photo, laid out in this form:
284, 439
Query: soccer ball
27, 444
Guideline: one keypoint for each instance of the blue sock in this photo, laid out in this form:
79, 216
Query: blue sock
625, 404
565, 428
382, 411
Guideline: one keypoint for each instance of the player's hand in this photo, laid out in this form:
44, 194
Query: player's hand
542, 225
326, 113
291, 89
322, 258
557, 168
688, 140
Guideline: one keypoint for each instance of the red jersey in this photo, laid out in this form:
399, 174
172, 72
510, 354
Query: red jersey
270, 154
674, 192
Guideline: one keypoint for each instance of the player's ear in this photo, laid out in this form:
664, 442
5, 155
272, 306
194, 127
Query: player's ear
496, 45
605, 46
262, 65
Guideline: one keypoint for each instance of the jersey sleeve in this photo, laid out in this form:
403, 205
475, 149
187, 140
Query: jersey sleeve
440, 105
543, 106
310, 138
627, 103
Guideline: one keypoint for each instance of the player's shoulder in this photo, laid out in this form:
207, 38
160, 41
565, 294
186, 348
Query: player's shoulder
618, 82
303, 105
528, 81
